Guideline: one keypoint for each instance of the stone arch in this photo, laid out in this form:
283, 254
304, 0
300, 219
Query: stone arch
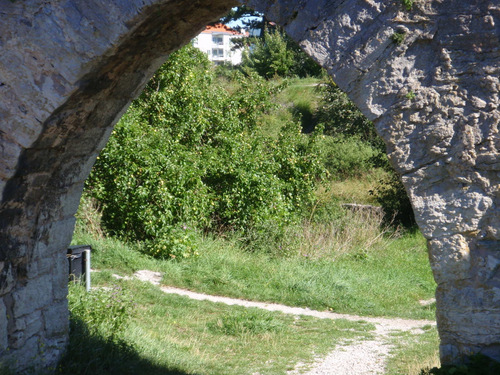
69, 69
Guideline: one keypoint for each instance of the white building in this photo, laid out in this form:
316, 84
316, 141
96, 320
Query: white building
215, 41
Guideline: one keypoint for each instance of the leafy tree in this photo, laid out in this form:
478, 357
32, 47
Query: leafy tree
340, 116
250, 18
186, 156
267, 47
270, 56
275, 54
354, 138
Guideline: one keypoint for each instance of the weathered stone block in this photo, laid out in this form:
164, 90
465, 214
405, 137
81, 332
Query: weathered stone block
58, 234
450, 258
7, 279
32, 324
29, 357
56, 320
3, 327
35, 295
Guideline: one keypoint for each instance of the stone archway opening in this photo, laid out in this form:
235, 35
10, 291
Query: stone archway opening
426, 75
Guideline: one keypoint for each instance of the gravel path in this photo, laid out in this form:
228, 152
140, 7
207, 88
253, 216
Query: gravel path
363, 358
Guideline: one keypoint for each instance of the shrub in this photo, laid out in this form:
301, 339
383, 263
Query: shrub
347, 156
89, 217
408, 4
187, 153
391, 195
340, 117
103, 311
96, 341
173, 243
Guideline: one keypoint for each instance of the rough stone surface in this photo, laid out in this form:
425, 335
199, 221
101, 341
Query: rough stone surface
68, 70
3, 327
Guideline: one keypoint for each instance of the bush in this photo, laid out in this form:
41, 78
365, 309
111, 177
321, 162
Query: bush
89, 218
187, 153
96, 341
103, 311
391, 195
340, 117
173, 243
347, 156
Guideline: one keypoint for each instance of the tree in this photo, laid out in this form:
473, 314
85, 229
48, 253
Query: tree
270, 56
270, 44
186, 155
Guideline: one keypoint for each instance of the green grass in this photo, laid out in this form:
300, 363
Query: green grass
386, 279
413, 353
169, 334
334, 260
297, 102
353, 189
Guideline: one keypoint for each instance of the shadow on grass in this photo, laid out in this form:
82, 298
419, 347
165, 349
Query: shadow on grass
476, 365
303, 112
94, 355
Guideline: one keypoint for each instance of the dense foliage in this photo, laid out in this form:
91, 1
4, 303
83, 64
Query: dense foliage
270, 56
340, 116
274, 54
355, 147
186, 157
392, 196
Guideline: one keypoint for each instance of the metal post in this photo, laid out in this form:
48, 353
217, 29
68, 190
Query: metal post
87, 270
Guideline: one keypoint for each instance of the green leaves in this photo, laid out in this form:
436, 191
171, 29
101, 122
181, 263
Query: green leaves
188, 153
408, 4
275, 54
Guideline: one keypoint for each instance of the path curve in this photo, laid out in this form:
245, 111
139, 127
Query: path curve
364, 358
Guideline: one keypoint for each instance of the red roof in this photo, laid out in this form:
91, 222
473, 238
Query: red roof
220, 28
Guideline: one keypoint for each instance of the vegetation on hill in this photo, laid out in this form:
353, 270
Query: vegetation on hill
189, 154
231, 182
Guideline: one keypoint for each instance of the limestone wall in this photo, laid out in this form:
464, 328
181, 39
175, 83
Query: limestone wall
68, 69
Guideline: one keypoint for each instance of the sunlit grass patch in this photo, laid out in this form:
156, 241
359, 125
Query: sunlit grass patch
173, 334
414, 352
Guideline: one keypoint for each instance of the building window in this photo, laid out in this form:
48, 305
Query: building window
217, 40
217, 52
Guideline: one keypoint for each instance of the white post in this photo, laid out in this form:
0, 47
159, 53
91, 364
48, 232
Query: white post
87, 270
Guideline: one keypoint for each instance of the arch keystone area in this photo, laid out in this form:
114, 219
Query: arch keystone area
428, 77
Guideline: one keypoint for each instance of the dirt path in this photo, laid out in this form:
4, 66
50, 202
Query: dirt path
363, 358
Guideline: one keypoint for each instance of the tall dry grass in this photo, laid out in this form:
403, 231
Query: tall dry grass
89, 218
358, 230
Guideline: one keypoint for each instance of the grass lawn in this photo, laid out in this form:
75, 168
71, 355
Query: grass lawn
386, 279
413, 352
169, 334
335, 260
